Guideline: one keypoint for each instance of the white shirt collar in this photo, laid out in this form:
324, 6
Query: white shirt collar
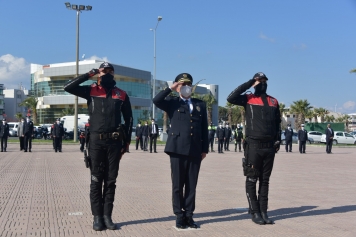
186, 99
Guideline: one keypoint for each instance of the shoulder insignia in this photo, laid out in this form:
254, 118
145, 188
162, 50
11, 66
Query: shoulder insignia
118, 94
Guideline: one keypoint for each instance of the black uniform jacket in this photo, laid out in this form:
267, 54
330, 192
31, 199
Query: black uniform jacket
288, 134
105, 106
188, 134
302, 135
138, 132
58, 130
220, 133
262, 113
4, 130
211, 132
329, 134
228, 133
28, 128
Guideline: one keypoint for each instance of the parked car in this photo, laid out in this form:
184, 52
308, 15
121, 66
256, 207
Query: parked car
353, 134
315, 135
13, 129
340, 137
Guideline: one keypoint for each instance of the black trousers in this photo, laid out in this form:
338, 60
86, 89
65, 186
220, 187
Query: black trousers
211, 142
82, 143
3, 143
105, 156
302, 146
226, 143
288, 145
27, 142
153, 138
21, 143
220, 145
139, 141
185, 172
239, 143
58, 143
329, 145
262, 160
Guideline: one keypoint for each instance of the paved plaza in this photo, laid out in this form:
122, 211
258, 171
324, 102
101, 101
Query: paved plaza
44, 193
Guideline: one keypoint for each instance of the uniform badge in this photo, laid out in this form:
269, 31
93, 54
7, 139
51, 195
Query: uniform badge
198, 108
117, 93
184, 76
273, 101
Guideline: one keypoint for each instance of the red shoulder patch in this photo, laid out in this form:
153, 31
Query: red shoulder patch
118, 94
97, 91
254, 100
272, 101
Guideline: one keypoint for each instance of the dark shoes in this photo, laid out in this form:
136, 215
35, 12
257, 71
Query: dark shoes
191, 223
256, 217
180, 223
108, 223
98, 223
155, 151
266, 219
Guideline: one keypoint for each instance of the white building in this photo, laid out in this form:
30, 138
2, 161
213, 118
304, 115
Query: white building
12, 100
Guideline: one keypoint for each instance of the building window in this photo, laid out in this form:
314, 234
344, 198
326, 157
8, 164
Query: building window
18, 96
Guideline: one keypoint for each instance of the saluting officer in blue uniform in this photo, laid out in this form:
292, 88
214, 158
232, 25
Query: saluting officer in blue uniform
187, 145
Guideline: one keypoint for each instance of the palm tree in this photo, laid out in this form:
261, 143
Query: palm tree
322, 112
310, 115
315, 114
329, 118
282, 109
300, 108
31, 103
344, 119
67, 111
353, 70
209, 100
229, 107
19, 116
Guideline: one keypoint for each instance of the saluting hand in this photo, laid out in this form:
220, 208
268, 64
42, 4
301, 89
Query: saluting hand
175, 85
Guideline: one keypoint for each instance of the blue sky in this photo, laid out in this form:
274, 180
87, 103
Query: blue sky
305, 47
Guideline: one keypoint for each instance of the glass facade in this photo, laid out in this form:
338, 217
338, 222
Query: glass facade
49, 82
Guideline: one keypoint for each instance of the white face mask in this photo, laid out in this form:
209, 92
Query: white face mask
57, 122
288, 127
28, 120
186, 91
302, 128
3, 122
220, 126
153, 122
139, 125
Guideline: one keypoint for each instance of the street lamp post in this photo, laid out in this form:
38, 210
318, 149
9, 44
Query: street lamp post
159, 18
77, 8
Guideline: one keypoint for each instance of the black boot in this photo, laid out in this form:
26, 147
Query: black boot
108, 223
191, 223
266, 219
256, 217
98, 223
180, 223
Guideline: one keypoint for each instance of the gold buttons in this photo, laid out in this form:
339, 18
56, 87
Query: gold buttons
191, 121
178, 110
191, 127
191, 134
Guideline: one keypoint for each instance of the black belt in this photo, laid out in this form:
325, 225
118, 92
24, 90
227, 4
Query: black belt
260, 145
104, 136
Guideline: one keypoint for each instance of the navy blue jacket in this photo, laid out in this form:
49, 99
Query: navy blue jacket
329, 135
220, 133
188, 134
288, 134
4, 130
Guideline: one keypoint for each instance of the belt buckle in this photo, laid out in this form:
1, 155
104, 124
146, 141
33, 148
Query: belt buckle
115, 135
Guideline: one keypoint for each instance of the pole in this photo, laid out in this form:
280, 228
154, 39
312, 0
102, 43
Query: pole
154, 71
75, 128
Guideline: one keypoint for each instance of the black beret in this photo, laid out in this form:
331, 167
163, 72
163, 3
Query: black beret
106, 65
184, 77
260, 75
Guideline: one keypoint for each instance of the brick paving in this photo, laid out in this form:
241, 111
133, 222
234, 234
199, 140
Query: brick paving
47, 194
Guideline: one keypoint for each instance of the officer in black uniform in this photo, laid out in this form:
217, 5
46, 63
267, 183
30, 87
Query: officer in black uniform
288, 133
238, 137
28, 134
139, 136
211, 130
302, 137
228, 133
261, 143
58, 133
4, 134
187, 145
109, 140
220, 135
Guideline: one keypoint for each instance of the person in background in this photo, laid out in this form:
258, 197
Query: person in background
4, 134
138, 134
302, 137
329, 138
20, 133
28, 134
288, 133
